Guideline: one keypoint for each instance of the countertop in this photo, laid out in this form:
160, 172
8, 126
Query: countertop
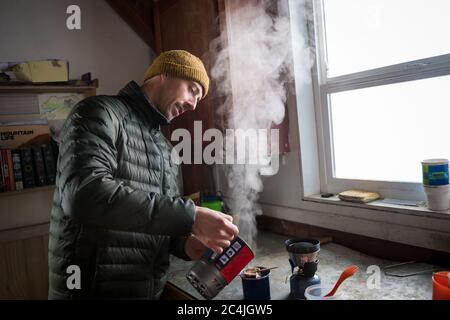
333, 258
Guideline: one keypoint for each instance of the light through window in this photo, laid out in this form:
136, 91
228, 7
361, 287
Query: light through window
383, 133
383, 91
367, 34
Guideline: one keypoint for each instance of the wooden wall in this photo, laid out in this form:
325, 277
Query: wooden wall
190, 25
23, 263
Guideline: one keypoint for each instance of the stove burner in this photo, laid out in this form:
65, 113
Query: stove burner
303, 258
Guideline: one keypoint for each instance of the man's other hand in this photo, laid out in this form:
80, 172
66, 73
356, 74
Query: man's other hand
214, 229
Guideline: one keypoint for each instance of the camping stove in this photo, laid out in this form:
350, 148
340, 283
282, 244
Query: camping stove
303, 258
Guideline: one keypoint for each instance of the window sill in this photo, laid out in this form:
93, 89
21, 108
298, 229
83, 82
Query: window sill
416, 226
420, 210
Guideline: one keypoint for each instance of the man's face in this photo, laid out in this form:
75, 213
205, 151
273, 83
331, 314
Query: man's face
178, 96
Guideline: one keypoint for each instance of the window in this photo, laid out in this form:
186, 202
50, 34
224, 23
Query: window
382, 92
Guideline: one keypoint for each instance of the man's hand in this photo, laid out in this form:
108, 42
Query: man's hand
194, 248
213, 228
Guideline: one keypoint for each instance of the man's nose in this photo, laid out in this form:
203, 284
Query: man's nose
190, 105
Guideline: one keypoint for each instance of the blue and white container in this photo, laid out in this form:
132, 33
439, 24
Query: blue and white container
435, 172
436, 184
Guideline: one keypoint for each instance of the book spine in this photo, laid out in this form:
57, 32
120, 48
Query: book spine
11, 170
50, 163
17, 166
39, 166
6, 179
2, 183
27, 168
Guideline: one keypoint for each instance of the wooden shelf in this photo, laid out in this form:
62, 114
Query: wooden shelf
46, 88
25, 232
25, 191
26, 207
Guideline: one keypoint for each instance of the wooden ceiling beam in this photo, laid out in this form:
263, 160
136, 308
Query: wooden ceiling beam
138, 14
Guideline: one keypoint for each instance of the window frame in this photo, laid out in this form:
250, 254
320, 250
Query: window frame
323, 86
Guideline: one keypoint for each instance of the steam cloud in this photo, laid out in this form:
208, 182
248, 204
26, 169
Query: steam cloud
252, 64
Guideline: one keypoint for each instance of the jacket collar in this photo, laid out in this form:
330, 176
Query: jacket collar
140, 102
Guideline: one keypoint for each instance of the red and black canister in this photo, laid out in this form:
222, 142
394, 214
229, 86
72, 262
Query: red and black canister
214, 271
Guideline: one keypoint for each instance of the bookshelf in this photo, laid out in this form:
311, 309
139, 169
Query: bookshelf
76, 87
27, 190
25, 214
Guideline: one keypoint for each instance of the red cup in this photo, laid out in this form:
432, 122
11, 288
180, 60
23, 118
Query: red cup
441, 289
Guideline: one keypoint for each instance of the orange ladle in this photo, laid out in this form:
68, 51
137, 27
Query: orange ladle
348, 272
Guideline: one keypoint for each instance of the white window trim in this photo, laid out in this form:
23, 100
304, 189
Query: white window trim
413, 70
412, 226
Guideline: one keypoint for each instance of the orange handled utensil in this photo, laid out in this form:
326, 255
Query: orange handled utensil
348, 272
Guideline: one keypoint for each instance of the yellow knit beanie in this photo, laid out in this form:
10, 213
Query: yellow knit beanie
181, 64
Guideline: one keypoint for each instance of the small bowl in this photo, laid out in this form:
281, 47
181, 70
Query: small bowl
441, 286
317, 292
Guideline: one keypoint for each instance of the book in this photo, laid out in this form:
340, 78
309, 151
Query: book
39, 166
5, 170
27, 168
21, 136
12, 184
50, 163
2, 184
17, 168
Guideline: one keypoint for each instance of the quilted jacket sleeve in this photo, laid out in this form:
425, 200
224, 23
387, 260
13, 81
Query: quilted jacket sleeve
177, 243
89, 192
177, 247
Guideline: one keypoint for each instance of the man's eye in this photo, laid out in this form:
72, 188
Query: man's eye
194, 91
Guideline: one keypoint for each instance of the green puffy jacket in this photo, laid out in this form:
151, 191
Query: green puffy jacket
116, 214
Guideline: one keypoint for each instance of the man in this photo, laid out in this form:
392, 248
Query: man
117, 212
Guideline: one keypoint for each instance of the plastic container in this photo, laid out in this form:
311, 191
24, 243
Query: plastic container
213, 205
441, 289
435, 172
438, 197
317, 292
211, 202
